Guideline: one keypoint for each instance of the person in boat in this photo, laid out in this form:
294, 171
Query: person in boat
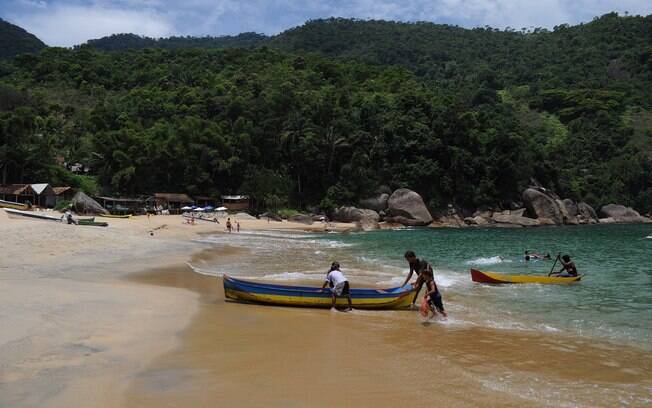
433, 299
568, 268
423, 270
338, 283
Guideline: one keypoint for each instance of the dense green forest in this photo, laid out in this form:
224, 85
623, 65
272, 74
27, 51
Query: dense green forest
328, 112
14, 40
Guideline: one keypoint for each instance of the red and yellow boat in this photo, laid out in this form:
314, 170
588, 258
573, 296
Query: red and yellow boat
493, 277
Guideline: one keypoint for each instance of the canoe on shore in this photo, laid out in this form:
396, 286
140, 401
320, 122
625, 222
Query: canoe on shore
13, 205
306, 296
92, 222
30, 214
493, 277
114, 215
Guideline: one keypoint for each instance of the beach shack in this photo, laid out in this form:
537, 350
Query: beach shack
44, 195
122, 206
204, 201
63, 194
236, 202
19, 193
172, 201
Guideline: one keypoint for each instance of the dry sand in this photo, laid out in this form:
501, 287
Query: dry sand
108, 317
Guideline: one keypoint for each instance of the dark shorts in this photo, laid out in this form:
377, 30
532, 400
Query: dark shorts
346, 290
436, 303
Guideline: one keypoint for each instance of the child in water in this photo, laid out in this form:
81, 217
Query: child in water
432, 300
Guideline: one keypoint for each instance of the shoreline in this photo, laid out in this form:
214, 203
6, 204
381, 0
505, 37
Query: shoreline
143, 329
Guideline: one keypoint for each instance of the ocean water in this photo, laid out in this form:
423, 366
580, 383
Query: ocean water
613, 301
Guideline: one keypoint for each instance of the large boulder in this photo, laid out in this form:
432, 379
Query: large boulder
620, 213
353, 214
514, 219
407, 207
376, 203
271, 216
83, 204
571, 207
586, 213
539, 204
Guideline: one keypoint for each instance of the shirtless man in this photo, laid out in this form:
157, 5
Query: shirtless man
423, 270
568, 268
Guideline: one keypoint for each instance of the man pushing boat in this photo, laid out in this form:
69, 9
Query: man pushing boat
423, 270
338, 283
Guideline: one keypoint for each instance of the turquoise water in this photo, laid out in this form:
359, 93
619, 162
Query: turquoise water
613, 301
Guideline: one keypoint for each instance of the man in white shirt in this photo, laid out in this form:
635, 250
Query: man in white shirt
338, 283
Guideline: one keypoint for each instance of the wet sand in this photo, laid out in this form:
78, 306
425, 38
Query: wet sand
249, 356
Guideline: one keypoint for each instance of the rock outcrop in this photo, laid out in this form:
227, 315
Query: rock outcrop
622, 214
586, 214
271, 216
353, 214
407, 207
377, 203
515, 219
541, 204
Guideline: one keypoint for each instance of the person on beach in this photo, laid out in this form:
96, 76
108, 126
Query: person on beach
568, 268
237, 226
228, 224
432, 300
423, 270
339, 285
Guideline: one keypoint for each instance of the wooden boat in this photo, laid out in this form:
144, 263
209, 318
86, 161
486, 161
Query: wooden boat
201, 218
492, 277
115, 215
306, 296
30, 214
13, 205
92, 222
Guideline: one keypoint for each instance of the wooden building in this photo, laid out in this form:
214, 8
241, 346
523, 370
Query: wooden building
63, 194
172, 201
122, 206
236, 202
19, 193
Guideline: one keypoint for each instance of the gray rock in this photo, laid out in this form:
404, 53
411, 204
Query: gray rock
620, 213
607, 220
571, 207
407, 207
353, 214
586, 212
377, 203
271, 216
301, 218
244, 216
519, 212
477, 220
515, 219
541, 205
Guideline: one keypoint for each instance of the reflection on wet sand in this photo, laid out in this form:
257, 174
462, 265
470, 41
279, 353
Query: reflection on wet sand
249, 355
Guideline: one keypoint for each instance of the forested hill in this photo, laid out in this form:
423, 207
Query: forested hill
122, 42
15, 40
327, 113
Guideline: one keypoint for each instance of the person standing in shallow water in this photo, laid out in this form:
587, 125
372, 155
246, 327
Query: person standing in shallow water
338, 283
228, 224
423, 270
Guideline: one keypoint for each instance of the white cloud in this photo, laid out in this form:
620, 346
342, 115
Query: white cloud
68, 25
68, 22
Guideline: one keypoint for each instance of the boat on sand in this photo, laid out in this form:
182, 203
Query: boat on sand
493, 277
29, 214
114, 215
13, 205
306, 296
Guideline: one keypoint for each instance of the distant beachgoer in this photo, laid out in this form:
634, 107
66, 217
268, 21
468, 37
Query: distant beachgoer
423, 270
338, 283
433, 299
568, 268
68, 217
215, 220
228, 224
237, 226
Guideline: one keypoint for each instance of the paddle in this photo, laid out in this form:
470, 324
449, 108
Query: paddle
553, 265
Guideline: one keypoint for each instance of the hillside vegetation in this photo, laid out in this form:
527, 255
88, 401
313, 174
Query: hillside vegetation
326, 113
14, 40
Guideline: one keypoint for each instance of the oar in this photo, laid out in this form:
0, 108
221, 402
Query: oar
553, 265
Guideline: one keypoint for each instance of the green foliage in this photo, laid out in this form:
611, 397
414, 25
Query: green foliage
325, 113
62, 205
287, 212
14, 40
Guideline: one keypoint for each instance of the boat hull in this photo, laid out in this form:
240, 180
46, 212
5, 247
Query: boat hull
29, 214
114, 216
13, 205
499, 278
303, 296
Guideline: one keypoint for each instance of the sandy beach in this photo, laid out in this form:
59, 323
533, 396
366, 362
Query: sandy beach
105, 317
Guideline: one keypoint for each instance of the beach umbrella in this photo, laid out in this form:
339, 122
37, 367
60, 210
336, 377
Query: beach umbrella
186, 208
209, 208
199, 209
221, 209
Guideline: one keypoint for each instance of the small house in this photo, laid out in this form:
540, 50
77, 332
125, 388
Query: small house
236, 202
63, 194
19, 193
172, 201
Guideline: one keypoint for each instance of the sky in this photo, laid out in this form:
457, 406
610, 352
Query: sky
71, 22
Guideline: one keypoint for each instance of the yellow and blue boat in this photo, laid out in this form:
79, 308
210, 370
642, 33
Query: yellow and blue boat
306, 296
